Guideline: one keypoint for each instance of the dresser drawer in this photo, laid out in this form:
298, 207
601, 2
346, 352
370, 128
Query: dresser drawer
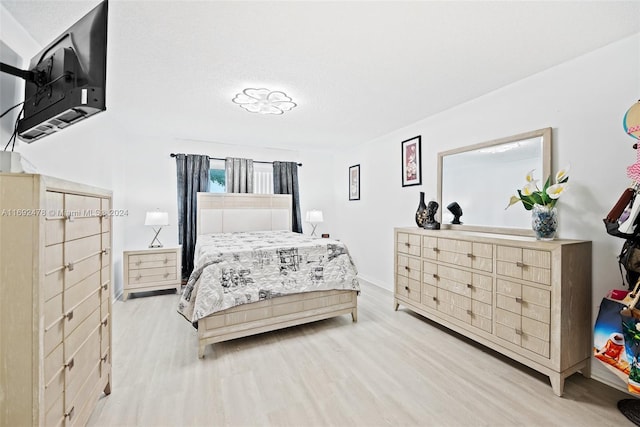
409, 267
454, 305
76, 339
526, 264
84, 257
54, 385
430, 247
54, 220
84, 360
409, 243
482, 258
455, 287
105, 206
53, 324
78, 407
429, 273
106, 248
429, 296
80, 301
408, 288
54, 415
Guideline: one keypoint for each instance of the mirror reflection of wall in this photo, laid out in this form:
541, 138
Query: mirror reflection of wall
483, 177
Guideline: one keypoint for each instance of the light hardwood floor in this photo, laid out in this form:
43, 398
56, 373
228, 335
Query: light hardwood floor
390, 368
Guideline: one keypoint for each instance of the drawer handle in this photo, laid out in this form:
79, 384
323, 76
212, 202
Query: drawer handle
407, 244
105, 322
518, 331
105, 251
520, 264
166, 260
406, 267
138, 262
406, 288
105, 286
435, 249
469, 255
69, 315
470, 313
69, 266
519, 300
104, 358
69, 364
69, 217
469, 285
435, 299
138, 277
167, 274
70, 413
435, 276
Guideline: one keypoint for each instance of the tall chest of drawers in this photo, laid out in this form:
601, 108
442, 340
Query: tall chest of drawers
529, 300
55, 300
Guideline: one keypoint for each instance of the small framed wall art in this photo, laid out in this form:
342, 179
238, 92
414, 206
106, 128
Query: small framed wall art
354, 182
412, 162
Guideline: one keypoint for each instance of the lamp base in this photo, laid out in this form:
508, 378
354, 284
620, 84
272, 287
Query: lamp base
153, 243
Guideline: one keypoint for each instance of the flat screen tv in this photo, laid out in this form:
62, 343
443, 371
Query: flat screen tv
66, 81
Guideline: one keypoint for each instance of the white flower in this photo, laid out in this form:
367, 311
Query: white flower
554, 191
529, 176
529, 189
563, 174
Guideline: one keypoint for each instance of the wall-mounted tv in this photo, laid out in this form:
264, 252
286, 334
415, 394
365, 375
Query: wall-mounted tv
66, 81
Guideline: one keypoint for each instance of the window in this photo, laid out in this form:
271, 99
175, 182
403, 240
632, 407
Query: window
262, 178
217, 181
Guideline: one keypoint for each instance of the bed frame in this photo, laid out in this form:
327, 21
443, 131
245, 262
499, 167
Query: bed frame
229, 212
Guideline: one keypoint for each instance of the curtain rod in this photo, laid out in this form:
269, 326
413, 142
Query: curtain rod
218, 158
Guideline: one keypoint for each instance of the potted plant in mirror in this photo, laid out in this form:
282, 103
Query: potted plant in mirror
542, 202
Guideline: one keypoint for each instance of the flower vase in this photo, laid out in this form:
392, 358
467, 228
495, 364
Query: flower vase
544, 221
421, 213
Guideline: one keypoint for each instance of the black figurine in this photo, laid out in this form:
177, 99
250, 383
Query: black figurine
431, 223
456, 210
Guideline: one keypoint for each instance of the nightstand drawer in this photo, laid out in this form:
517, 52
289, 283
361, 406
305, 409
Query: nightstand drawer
152, 274
164, 259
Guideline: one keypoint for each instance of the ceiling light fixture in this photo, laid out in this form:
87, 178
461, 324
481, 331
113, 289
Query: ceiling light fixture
264, 101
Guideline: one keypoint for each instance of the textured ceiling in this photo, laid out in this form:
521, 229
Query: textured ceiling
357, 70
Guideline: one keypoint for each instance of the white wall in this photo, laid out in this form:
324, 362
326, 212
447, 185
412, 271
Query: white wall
583, 101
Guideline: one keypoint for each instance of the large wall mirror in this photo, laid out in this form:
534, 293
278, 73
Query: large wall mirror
481, 178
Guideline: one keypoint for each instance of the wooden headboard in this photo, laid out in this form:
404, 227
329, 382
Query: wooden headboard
229, 212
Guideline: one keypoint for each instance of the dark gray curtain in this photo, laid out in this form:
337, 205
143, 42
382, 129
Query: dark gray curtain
193, 176
285, 181
238, 175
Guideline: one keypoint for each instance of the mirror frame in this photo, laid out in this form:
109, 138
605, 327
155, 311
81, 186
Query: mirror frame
545, 133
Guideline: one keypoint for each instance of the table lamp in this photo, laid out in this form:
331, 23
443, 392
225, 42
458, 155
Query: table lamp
314, 217
156, 219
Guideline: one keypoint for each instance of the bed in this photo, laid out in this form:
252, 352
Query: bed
253, 275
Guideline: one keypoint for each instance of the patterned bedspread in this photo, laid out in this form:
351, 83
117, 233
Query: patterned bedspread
239, 268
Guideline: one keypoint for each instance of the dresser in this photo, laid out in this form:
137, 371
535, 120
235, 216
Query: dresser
55, 300
151, 270
529, 300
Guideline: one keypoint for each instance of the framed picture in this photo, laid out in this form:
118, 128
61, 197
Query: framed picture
354, 182
411, 162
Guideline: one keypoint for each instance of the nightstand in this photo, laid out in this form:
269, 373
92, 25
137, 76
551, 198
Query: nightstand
151, 270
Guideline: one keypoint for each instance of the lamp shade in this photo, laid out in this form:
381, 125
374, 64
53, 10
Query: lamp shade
157, 218
631, 121
314, 216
